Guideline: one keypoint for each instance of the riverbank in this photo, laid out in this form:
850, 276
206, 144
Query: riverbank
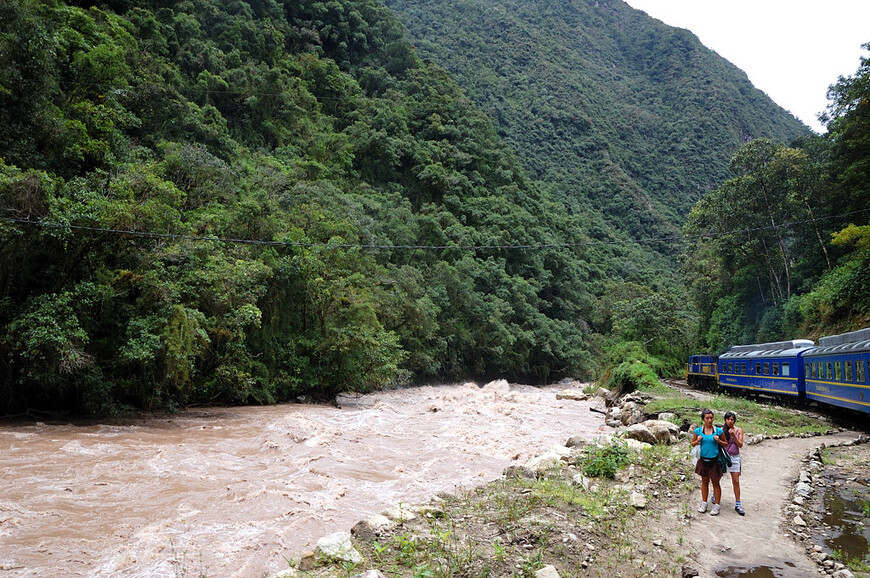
643, 522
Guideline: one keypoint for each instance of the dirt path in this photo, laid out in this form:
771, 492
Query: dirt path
758, 539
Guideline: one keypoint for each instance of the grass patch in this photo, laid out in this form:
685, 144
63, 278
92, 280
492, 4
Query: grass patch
514, 526
605, 460
754, 417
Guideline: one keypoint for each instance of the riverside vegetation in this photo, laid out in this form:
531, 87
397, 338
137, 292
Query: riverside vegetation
607, 510
229, 202
614, 111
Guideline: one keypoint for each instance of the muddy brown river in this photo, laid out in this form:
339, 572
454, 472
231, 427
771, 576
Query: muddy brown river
239, 491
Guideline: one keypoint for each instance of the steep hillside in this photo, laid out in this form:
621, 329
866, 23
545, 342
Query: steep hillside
217, 201
608, 106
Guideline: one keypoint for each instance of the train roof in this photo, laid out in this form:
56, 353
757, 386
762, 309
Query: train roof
773, 349
851, 337
852, 342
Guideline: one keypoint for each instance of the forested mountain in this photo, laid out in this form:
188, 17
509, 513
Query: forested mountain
782, 248
628, 121
220, 201
223, 201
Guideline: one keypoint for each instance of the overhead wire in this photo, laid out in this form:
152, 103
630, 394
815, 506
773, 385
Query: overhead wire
383, 246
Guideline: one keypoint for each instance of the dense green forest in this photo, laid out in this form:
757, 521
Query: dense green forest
781, 249
240, 202
628, 122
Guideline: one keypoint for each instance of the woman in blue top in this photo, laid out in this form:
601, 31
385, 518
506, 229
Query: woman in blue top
710, 437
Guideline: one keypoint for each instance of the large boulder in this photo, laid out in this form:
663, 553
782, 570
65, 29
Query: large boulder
640, 433
631, 413
551, 458
665, 432
399, 514
338, 547
572, 394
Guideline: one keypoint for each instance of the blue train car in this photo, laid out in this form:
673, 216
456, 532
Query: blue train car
701, 371
765, 368
837, 372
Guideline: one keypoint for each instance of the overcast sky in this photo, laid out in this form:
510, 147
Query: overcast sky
790, 49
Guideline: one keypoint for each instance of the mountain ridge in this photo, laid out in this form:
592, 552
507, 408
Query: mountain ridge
610, 85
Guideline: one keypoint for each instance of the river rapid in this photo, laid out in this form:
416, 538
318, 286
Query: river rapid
239, 491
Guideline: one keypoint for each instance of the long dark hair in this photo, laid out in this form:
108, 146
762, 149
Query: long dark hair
725, 429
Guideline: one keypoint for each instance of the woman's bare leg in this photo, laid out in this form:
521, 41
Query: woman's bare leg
735, 483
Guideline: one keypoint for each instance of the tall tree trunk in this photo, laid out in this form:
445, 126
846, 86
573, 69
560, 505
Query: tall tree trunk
779, 240
761, 289
776, 284
819, 235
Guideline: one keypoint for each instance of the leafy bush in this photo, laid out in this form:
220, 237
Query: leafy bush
631, 367
632, 375
602, 461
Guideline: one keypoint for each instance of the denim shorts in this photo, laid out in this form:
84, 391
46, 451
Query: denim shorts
735, 464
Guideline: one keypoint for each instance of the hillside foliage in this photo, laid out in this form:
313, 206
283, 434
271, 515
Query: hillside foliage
781, 249
247, 201
628, 121
242, 202
635, 124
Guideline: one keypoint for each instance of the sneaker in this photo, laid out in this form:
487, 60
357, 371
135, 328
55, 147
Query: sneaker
703, 507
739, 510
715, 510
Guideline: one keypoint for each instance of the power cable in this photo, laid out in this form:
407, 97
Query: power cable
375, 246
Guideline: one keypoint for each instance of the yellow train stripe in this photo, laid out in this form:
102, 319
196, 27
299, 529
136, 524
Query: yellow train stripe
758, 388
776, 377
839, 383
855, 401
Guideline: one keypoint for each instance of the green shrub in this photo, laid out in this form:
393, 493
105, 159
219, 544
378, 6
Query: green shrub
602, 461
629, 376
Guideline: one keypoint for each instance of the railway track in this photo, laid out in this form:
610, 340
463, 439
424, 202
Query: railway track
840, 417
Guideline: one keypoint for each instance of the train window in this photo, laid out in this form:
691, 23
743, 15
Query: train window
785, 369
757, 368
847, 370
766, 368
775, 368
821, 367
838, 371
829, 374
812, 370
859, 370
730, 368
743, 368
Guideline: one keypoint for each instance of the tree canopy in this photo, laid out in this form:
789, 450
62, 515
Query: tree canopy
779, 250
244, 202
